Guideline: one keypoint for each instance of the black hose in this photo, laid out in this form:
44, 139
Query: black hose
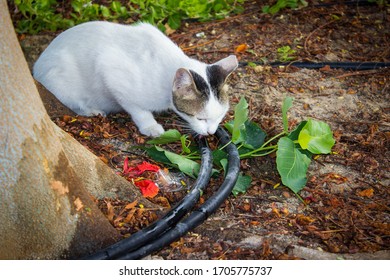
355, 3
356, 66
203, 212
171, 218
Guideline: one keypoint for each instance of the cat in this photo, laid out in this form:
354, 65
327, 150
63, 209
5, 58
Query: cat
101, 67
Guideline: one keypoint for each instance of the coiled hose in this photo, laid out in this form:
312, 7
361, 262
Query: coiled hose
203, 212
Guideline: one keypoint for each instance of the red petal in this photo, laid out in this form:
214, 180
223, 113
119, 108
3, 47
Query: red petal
147, 187
145, 166
126, 165
139, 169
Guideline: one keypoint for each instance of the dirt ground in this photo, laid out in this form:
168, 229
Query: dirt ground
346, 214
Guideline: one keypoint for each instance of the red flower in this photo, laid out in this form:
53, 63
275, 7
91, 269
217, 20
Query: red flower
139, 169
147, 187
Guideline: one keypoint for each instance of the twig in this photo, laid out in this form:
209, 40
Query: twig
358, 73
200, 45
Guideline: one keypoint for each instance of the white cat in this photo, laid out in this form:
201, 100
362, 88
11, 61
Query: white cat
101, 67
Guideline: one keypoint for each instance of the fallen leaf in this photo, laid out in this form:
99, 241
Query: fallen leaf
241, 48
104, 159
304, 220
246, 207
67, 119
325, 68
147, 187
110, 212
366, 193
275, 210
131, 205
130, 215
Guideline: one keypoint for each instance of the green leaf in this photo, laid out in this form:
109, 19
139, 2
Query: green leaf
317, 137
105, 12
295, 133
185, 144
240, 117
251, 134
185, 165
174, 21
291, 164
255, 136
168, 136
157, 154
219, 155
242, 184
286, 105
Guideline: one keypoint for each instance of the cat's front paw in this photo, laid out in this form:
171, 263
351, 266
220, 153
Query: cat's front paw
153, 131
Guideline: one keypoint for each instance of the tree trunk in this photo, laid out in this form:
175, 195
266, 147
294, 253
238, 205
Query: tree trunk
46, 177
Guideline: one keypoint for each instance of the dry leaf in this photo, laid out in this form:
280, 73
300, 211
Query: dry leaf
241, 48
110, 212
366, 193
275, 210
130, 215
131, 205
304, 220
325, 68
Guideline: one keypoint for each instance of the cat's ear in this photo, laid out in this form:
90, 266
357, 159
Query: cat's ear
228, 64
184, 86
183, 79
186, 97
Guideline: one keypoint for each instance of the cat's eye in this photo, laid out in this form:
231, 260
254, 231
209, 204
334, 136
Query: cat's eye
201, 119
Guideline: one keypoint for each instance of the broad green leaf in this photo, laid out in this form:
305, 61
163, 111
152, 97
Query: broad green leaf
168, 136
293, 135
242, 184
229, 126
157, 154
291, 164
224, 163
185, 165
242, 132
255, 136
240, 117
287, 103
219, 155
317, 137
251, 134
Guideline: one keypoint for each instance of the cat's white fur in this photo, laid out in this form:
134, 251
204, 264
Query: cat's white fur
100, 68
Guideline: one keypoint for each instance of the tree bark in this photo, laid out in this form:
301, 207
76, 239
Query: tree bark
46, 177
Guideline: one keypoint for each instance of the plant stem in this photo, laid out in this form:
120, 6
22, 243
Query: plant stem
273, 138
252, 154
273, 148
224, 146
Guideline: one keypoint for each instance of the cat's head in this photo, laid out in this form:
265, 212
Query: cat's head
202, 101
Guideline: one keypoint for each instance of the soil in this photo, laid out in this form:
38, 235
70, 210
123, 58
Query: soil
346, 209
